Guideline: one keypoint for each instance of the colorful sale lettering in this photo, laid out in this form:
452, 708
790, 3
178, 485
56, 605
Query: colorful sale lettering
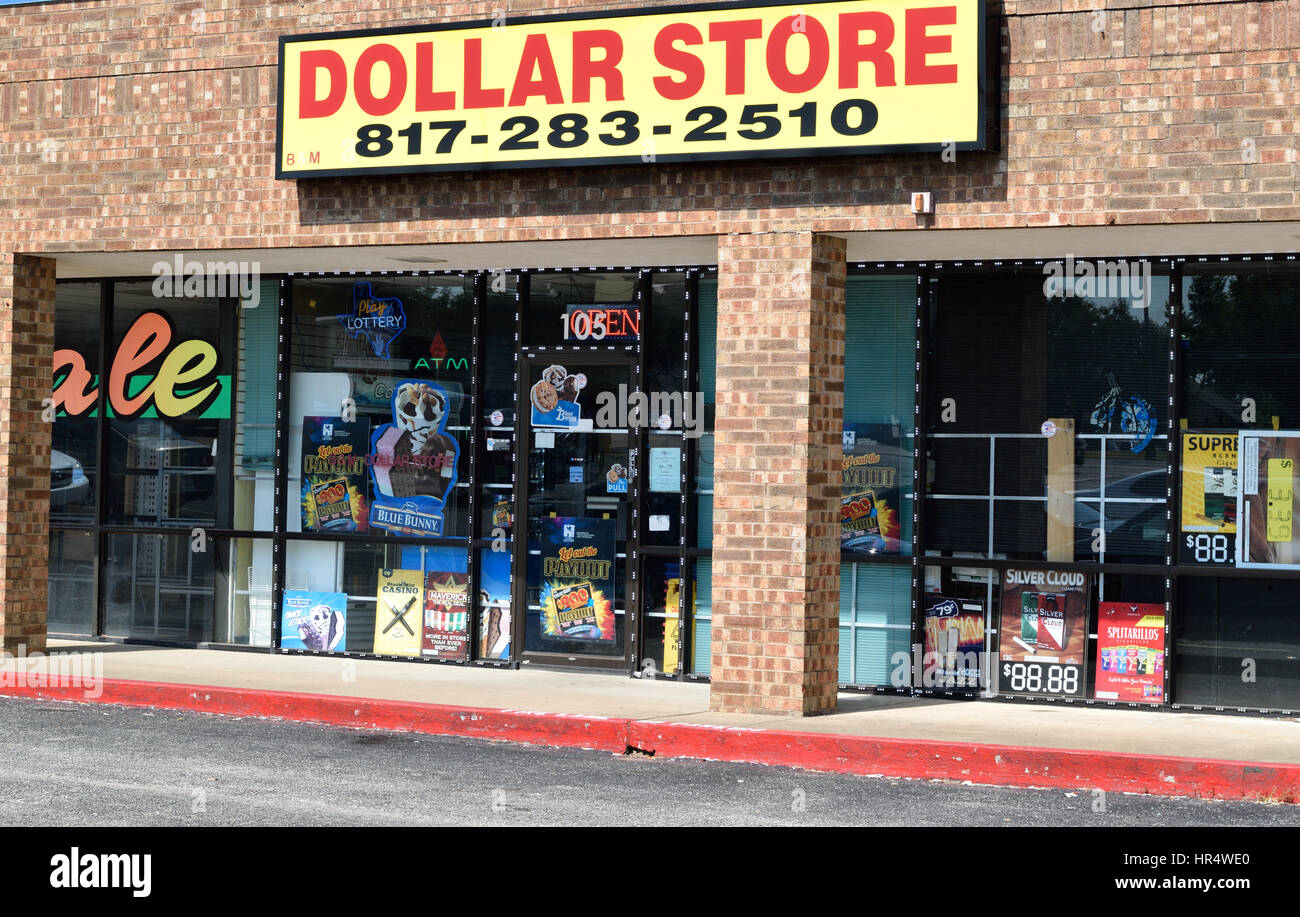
1043, 635
1266, 504
314, 621
1209, 500
578, 578
869, 495
954, 643
446, 616
413, 462
554, 398
398, 607
1130, 652
334, 480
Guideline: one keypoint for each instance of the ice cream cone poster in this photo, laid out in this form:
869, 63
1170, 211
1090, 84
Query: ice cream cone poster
413, 462
314, 621
334, 485
577, 595
1130, 652
446, 616
1043, 633
494, 604
554, 398
398, 609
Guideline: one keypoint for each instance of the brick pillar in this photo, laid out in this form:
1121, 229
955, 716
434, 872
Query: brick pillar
777, 444
26, 368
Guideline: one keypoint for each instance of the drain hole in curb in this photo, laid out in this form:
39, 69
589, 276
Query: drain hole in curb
633, 751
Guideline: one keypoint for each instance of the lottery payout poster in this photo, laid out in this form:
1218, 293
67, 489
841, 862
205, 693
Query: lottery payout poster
578, 578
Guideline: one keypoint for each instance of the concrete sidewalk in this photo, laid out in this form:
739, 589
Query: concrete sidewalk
940, 737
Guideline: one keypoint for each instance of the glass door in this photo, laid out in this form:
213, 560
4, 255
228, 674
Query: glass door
576, 468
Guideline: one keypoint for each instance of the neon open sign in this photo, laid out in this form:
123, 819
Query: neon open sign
602, 323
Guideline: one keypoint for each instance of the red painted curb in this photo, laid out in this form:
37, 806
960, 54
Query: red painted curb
601, 733
1004, 765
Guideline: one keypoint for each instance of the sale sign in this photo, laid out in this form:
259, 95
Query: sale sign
722, 81
1130, 652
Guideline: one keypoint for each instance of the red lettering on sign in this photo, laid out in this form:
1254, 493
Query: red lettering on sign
921, 44
778, 49
734, 35
536, 56
853, 53
364, 91
585, 69
684, 62
425, 98
475, 95
310, 63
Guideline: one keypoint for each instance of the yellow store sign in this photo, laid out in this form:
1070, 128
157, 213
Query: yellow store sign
670, 85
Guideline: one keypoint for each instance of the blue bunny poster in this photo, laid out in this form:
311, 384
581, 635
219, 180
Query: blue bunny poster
413, 461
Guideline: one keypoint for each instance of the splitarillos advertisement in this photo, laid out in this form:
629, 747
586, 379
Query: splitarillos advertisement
1130, 652
1043, 635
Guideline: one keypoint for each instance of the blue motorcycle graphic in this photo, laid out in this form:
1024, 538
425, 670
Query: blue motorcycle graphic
1135, 415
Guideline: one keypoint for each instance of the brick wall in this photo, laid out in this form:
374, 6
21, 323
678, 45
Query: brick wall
780, 404
26, 358
151, 125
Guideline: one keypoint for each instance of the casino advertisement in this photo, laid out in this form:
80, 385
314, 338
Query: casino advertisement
1266, 505
954, 643
1130, 652
413, 461
334, 484
1208, 520
707, 82
446, 616
1043, 633
869, 491
398, 607
577, 594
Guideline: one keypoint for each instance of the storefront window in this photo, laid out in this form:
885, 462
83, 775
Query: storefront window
72, 582
74, 452
170, 402
1046, 415
579, 307
379, 413
403, 600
